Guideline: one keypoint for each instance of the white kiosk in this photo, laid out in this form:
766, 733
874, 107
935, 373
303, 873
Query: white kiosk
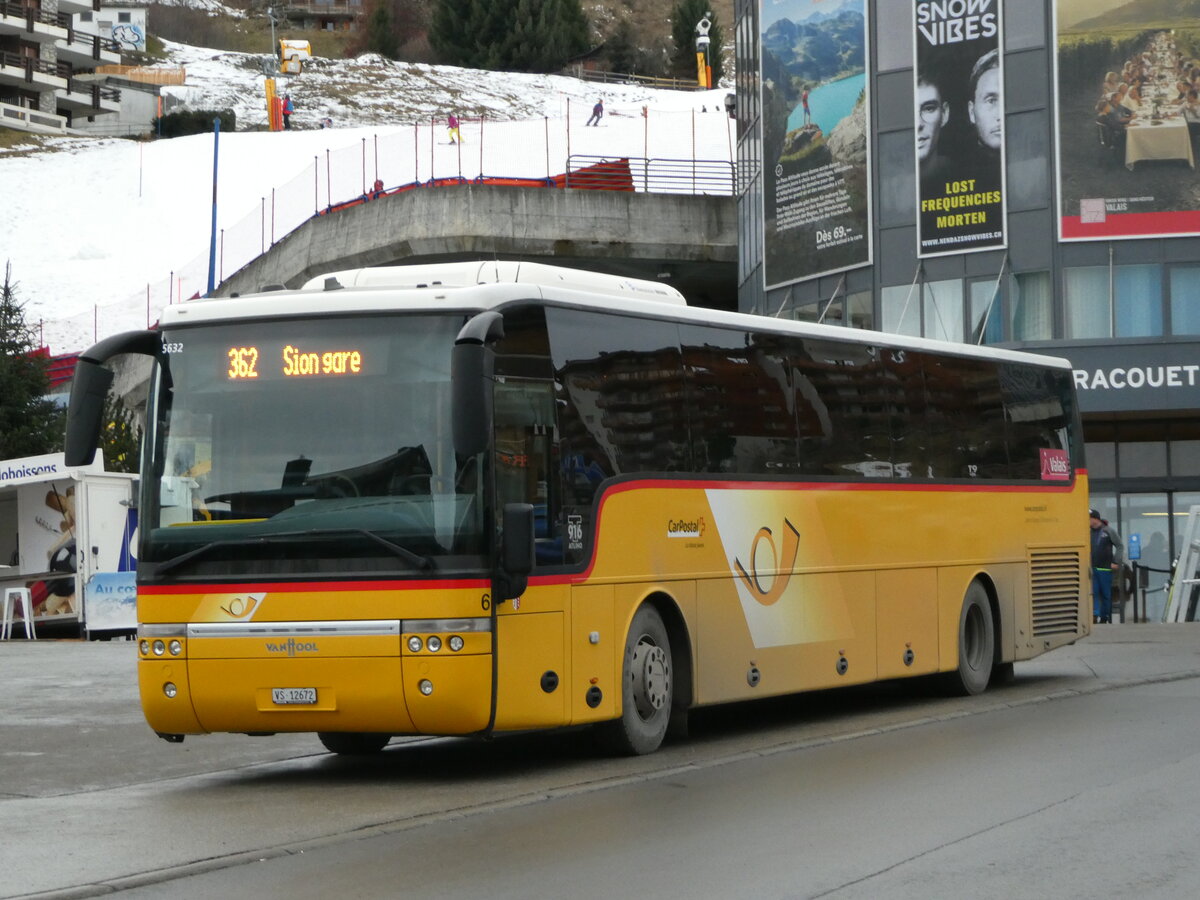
67, 535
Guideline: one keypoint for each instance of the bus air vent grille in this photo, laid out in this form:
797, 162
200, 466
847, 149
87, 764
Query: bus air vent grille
1054, 585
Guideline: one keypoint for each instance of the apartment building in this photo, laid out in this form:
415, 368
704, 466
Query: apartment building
47, 66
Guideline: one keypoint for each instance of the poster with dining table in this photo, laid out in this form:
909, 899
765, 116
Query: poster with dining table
1128, 117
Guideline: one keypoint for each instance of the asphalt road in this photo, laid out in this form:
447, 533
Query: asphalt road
1078, 777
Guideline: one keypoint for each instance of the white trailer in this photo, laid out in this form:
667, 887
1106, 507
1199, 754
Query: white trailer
68, 536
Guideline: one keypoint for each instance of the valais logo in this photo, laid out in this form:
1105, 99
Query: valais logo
1056, 465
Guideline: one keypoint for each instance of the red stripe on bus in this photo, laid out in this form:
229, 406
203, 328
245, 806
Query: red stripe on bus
299, 586
644, 484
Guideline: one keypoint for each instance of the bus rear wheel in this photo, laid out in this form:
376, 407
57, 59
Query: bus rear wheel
976, 644
647, 687
349, 743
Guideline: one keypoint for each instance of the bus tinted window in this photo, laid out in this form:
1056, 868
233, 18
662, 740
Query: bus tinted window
842, 409
909, 401
527, 464
739, 401
965, 418
622, 386
1037, 405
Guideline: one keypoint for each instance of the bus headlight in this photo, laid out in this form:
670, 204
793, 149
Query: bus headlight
414, 644
145, 648
159, 648
170, 690
426, 686
455, 643
434, 643
176, 647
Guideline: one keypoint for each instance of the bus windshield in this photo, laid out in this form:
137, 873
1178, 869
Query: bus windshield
302, 446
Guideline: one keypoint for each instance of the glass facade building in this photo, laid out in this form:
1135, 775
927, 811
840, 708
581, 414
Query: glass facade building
1097, 254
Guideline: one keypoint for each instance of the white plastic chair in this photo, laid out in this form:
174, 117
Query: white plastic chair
12, 596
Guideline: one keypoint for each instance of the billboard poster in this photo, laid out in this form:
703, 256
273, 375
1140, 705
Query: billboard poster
958, 119
815, 122
1127, 73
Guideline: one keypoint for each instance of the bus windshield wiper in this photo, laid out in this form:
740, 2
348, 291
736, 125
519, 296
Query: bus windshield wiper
422, 563
176, 561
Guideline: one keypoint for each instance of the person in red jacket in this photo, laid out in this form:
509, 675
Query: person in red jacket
288, 109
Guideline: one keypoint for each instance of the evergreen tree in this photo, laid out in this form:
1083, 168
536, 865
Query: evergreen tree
684, 17
381, 31
390, 26
30, 424
508, 35
621, 49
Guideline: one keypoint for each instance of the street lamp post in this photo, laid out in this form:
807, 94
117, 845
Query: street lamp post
271, 66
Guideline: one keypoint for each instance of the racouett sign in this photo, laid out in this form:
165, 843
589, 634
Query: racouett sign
1151, 377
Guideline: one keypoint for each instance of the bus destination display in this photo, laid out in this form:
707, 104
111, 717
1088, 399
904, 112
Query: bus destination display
294, 362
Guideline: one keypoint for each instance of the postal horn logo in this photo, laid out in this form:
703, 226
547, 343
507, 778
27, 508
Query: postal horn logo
779, 567
241, 608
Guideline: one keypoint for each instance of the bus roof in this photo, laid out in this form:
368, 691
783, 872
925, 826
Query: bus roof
467, 274
475, 286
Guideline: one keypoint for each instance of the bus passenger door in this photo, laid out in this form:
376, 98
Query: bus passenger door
531, 664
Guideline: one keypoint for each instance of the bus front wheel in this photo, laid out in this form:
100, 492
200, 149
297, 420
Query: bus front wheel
348, 743
976, 643
647, 687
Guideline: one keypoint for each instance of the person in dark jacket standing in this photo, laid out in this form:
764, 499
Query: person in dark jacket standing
597, 113
1106, 560
288, 109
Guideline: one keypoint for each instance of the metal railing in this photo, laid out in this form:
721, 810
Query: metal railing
655, 176
94, 92
349, 8
30, 65
29, 14
403, 160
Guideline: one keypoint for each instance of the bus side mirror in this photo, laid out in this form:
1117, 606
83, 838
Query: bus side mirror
471, 383
517, 543
89, 388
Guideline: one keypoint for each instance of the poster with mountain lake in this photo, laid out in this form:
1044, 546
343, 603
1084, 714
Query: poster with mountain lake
815, 95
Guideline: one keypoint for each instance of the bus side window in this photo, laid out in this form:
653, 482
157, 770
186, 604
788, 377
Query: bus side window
527, 463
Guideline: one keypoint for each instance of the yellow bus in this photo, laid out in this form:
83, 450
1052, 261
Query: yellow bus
496, 496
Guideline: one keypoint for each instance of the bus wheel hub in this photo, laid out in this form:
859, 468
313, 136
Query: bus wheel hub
651, 678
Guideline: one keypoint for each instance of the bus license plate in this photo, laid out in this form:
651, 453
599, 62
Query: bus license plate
285, 696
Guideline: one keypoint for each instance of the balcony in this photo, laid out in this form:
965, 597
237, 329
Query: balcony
21, 118
30, 74
327, 10
87, 97
84, 50
31, 25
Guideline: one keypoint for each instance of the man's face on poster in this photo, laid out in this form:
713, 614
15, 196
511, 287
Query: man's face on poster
985, 109
932, 114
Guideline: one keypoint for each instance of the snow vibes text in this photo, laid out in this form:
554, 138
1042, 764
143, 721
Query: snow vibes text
954, 21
